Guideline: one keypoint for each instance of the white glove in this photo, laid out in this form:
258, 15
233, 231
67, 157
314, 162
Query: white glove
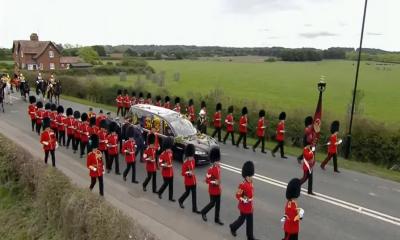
340, 141
283, 219
301, 213
313, 149
45, 143
94, 169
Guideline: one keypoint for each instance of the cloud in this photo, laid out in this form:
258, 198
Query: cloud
273, 37
317, 34
253, 6
264, 30
374, 34
308, 25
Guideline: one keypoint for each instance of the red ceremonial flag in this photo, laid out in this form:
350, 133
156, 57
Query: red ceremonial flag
317, 121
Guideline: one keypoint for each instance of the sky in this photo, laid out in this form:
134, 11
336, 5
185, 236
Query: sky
234, 23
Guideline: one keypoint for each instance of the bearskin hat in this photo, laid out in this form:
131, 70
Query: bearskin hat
47, 106
84, 117
282, 116
218, 107
60, 109
248, 169
230, 109
101, 111
177, 100
133, 94
126, 91
261, 113
215, 155
94, 141
130, 132
151, 139
140, 95
244, 111
293, 189
335, 126
119, 92
39, 104
158, 98
103, 124
191, 102
168, 143
77, 114
308, 121
53, 107
32, 99
92, 121
167, 99
148, 95
112, 127
203, 104
46, 122
69, 111
189, 150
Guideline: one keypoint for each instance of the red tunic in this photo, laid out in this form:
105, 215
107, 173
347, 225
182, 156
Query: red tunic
133, 101
167, 105
191, 113
39, 116
32, 111
102, 140
53, 120
95, 163
229, 123
280, 136
243, 124
48, 140
310, 134
99, 119
177, 108
165, 161
120, 101
69, 124
128, 149
60, 122
188, 172
112, 144
245, 196
261, 127
292, 218
308, 161
126, 101
217, 119
158, 104
149, 156
213, 179
332, 148
77, 129
85, 132
148, 101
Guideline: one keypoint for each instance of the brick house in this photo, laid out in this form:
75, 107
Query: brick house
36, 55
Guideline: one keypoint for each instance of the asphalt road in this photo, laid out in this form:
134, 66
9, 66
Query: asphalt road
348, 205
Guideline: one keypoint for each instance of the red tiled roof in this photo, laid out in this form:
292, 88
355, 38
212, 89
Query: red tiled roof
70, 60
33, 47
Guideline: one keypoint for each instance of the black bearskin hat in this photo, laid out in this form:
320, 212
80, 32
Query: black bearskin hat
46, 122
191, 102
177, 100
203, 104
119, 92
140, 95
77, 114
101, 111
130, 132
335, 126
215, 155
70, 111
230, 109
167, 99
148, 95
125, 91
47, 106
60, 109
308, 121
218, 107
248, 169
189, 150
92, 121
113, 127
293, 189
94, 141
168, 143
32, 99
261, 113
151, 139
282, 116
133, 94
244, 111
84, 117
39, 104
53, 107
158, 98
103, 124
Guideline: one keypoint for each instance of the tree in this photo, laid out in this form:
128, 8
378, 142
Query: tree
130, 53
100, 50
89, 55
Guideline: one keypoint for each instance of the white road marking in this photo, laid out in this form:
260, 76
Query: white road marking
324, 198
372, 194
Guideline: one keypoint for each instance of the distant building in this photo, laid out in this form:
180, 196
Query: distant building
68, 62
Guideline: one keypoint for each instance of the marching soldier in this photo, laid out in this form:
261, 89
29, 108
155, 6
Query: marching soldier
149, 156
280, 135
77, 132
293, 214
158, 101
95, 165
129, 150
217, 121
191, 112
93, 130
60, 125
39, 116
245, 195
243, 128
133, 98
141, 99
308, 135
120, 102
188, 167
32, 111
177, 107
167, 170
47, 110
308, 164
53, 118
332, 147
261, 126
126, 102
100, 117
229, 122
213, 179
84, 131
103, 139
69, 124
148, 99
112, 148
49, 142
167, 103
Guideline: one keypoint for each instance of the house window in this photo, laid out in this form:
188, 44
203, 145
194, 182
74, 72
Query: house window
41, 66
51, 54
30, 67
52, 67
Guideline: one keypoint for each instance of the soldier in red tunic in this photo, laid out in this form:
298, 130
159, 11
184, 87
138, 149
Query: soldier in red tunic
167, 103
293, 214
149, 156
100, 117
69, 124
112, 148
177, 107
39, 116
103, 135
188, 167
133, 98
141, 99
49, 141
148, 99
60, 125
308, 164
32, 111
332, 147
245, 196
93, 130
95, 165
261, 126
85, 134
191, 112
213, 179
127, 102
308, 136
47, 110
77, 132
158, 101
280, 135
167, 170
217, 121
53, 119
120, 103
229, 123
129, 150
243, 122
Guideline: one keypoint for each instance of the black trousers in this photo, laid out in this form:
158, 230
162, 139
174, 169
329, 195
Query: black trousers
279, 146
53, 157
227, 135
101, 185
262, 140
33, 124
291, 236
55, 130
61, 138
83, 146
307, 176
244, 137
189, 189
126, 111
120, 109
217, 130
75, 144
215, 200
111, 159
151, 176
69, 138
38, 128
328, 158
105, 154
128, 168
168, 182
249, 224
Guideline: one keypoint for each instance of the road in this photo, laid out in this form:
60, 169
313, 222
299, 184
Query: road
348, 205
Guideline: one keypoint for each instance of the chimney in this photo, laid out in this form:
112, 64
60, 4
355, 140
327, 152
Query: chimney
34, 37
